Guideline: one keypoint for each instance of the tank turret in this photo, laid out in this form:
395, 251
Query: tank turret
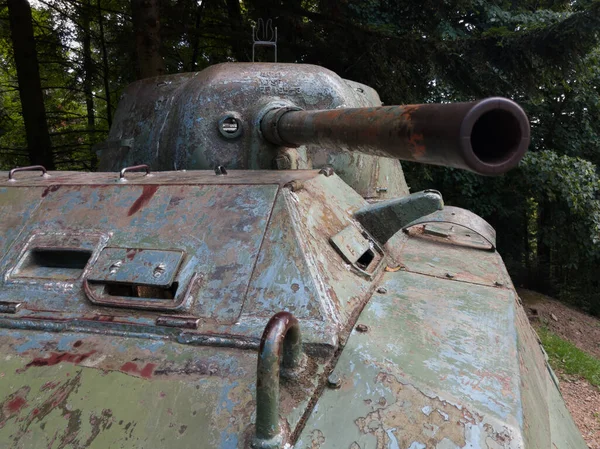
288, 116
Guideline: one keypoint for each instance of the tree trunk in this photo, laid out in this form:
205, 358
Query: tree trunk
105, 71
239, 39
30, 86
196, 36
87, 64
146, 25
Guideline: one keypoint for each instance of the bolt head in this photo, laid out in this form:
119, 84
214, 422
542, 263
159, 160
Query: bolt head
382, 290
327, 171
334, 381
362, 328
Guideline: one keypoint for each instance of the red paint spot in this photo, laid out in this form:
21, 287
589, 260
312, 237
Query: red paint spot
36, 411
132, 368
147, 194
56, 358
77, 344
15, 405
49, 189
147, 370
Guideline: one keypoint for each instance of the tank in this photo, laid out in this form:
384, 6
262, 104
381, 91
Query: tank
249, 269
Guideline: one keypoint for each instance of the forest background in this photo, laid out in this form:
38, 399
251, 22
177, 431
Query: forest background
64, 64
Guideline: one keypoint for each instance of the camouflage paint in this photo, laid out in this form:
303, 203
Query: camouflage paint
442, 355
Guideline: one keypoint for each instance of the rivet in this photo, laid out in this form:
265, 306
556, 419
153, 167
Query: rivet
327, 171
498, 283
334, 381
382, 290
449, 275
295, 185
362, 328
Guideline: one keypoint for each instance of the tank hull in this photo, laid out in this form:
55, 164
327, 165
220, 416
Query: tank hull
425, 344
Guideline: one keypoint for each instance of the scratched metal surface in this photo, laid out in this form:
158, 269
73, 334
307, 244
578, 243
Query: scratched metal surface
321, 209
232, 241
84, 391
462, 256
443, 365
437, 368
446, 362
282, 271
219, 229
84, 375
16, 207
204, 177
172, 123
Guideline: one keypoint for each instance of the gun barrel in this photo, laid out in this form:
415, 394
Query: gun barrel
488, 137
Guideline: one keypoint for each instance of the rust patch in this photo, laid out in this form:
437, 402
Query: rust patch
408, 111
132, 368
417, 148
104, 318
316, 439
132, 252
148, 192
49, 189
414, 417
58, 357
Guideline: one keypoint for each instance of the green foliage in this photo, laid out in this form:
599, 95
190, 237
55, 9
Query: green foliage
568, 358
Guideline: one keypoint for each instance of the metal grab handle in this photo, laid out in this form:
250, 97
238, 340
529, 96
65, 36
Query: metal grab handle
134, 167
280, 346
30, 168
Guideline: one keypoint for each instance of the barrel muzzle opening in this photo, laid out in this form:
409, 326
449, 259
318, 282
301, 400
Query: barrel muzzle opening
494, 136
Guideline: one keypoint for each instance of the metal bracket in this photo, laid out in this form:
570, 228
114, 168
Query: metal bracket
280, 347
384, 219
264, 36
460, 217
